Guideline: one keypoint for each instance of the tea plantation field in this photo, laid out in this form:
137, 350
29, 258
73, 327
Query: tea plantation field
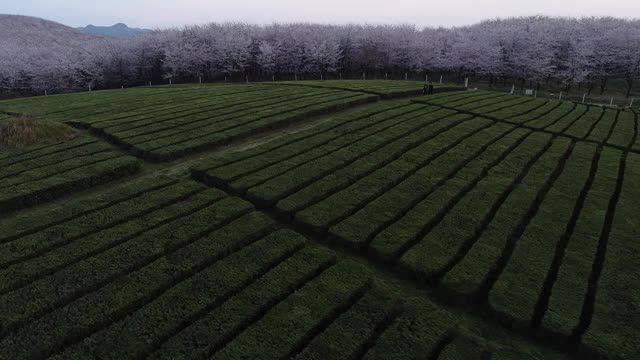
321, 220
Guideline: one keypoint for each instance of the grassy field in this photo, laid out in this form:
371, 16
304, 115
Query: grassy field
320, 220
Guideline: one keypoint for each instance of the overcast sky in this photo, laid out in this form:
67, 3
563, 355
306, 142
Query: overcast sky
164, 13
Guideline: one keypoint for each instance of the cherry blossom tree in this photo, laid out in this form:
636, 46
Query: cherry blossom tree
37, 55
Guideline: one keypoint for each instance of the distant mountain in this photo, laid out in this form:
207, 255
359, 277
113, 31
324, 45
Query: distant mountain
117, 30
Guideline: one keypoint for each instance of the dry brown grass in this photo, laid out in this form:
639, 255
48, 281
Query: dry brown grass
22, 131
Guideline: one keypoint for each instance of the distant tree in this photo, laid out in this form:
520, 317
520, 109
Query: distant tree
36, 55
267, 56
626, 45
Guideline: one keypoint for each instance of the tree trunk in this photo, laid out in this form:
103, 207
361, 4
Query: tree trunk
603, 85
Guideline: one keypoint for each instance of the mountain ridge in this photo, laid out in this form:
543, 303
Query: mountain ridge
116, 30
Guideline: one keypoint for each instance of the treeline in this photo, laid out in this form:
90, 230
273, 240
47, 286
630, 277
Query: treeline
531, 51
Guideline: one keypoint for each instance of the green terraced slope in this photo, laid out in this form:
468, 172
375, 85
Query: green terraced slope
320, 220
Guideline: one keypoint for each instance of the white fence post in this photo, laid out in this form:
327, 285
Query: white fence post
149, 83
513, 89
611, 102
364, 77
340, 76
631, 104
466, 82
406, 77
583, 97
440, 79
560, 97
247, 78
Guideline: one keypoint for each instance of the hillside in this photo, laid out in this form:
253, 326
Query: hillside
21, 33
117, 30
37, 54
